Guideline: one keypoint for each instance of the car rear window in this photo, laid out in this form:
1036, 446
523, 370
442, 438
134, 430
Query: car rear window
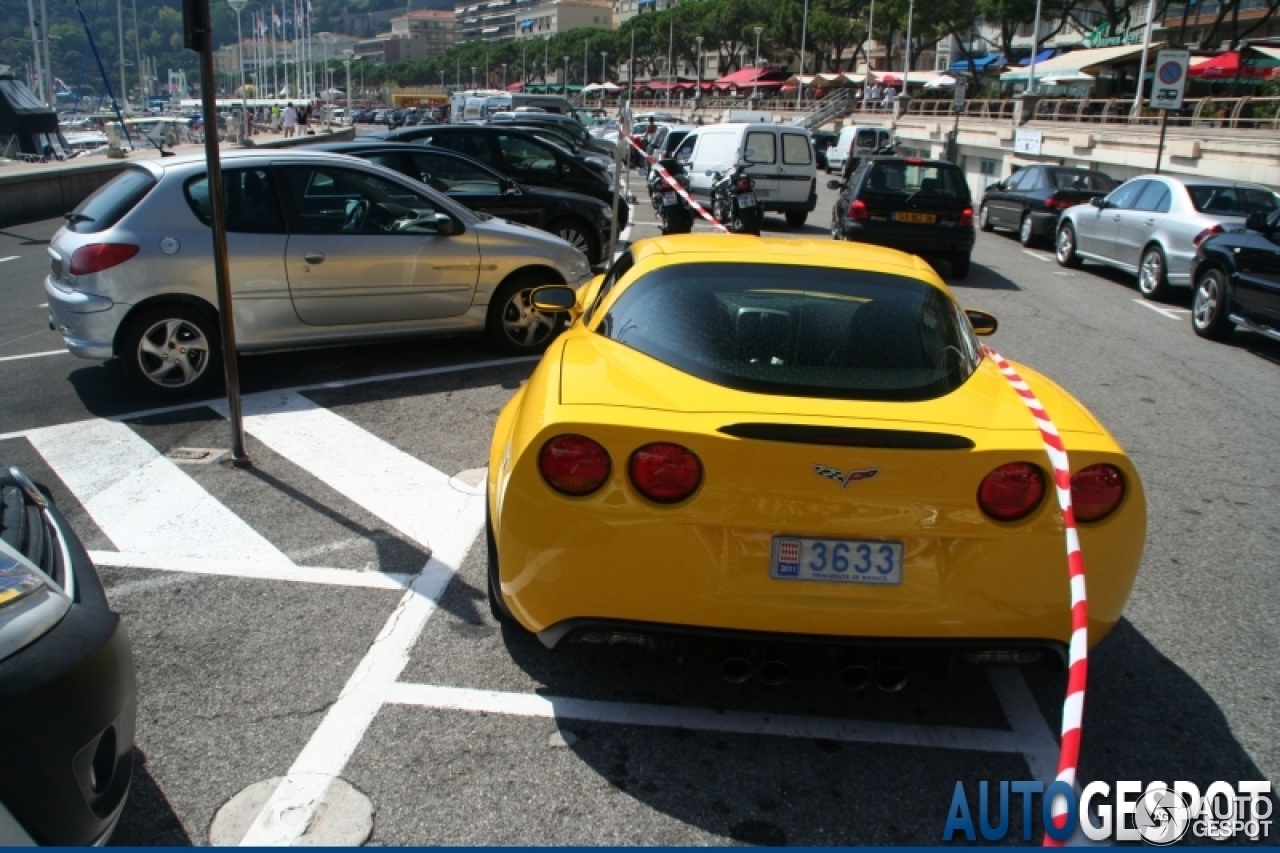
1233, 200
1088, 181
798, 331
110, 202
796, 150
901, 177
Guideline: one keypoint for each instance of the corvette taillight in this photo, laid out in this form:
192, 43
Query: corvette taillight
858, 209
665, 473
1096, 491
97, 257
1011, 491
574, 465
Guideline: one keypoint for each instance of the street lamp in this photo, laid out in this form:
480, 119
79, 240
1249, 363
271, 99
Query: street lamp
804, 31
504, 75
238, 6
697, 93
473, 77
566, 76
346, 56
755, 82
604, 66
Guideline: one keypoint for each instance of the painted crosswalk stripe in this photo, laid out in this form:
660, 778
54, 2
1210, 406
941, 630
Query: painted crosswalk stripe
142, 501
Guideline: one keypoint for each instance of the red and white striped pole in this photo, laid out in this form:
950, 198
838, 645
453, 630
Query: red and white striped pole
676, 185
1078, 651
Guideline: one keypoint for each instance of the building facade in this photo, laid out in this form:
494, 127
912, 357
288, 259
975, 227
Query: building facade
491, 20
413, 36
558, 16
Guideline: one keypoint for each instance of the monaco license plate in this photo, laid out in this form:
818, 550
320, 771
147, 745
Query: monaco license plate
746, 200
836, 560
920, 218
669, 199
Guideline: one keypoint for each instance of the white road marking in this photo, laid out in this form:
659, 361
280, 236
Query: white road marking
1039, 746
1036, 255
1067, 274
319, 386
10, 258
142, 501
1163, 312
396, 487
34, 355
252, 571
43, 305
404, 492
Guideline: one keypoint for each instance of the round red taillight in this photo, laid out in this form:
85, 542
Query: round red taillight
1096, 491
574, 465
1011, 491
665, 473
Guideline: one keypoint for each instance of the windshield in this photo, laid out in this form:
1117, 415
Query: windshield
798, 331
1233, 200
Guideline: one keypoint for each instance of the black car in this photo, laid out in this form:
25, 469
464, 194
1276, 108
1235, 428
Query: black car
908, 203
581, 220
1030, 200
519, 155
1236, 275
567, 125
67, 688
822, 140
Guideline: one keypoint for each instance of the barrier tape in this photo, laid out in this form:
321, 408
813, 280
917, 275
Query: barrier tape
1078, 653
653, 163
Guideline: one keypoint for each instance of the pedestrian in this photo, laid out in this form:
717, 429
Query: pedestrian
890, 95
873, 94
289, 120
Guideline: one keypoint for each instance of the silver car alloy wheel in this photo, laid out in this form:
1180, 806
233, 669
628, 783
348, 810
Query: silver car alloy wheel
1066, 244
1025, 233
1208, 299
523, 324
1151, 271
173, 353
984, 218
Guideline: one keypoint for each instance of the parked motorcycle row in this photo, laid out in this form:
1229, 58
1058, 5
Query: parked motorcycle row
733, 199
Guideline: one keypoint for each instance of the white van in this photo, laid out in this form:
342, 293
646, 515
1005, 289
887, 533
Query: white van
857, 140
781, 158
479, 104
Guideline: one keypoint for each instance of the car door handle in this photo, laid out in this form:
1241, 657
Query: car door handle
314, 257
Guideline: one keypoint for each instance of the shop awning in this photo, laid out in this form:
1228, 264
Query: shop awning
1225, 66
1041, 57
1077, 61
980, 63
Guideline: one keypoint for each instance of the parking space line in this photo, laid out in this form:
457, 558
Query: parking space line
253, 571
34, 355
1036, 255
143, 502
356, 463
10, 258
1039, 746
704, 719
1163, 312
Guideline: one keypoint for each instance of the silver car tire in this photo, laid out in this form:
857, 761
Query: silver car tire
173, 349
1153, 277
1064, 248
984, 219
514, 324
1210, 312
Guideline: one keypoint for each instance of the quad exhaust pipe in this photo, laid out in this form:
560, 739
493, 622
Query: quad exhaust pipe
887, 677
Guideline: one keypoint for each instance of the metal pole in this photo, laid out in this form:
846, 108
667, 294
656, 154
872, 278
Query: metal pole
1035, 48
1164, 121
566, 77
1142, 64
697, 94
35, 52
755, 81
124, 84
604, 67
804, 31
671, 48
221, 266
871, 24
906, 53
137, 56
44, 46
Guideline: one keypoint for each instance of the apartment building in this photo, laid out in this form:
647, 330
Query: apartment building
558, 16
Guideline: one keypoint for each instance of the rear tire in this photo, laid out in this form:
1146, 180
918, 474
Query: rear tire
984, 219
746, 222
1026, 231
173, 349
1065, 247
797, 218
960, 266
1153, 274
579, 236
1210, 310
493, 584
514, 324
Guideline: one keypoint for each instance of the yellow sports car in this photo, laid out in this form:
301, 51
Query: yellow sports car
747, 436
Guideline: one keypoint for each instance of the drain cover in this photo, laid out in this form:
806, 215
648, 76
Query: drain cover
195, 455
344, 817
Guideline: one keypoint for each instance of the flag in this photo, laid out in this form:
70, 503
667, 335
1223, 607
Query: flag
275, 19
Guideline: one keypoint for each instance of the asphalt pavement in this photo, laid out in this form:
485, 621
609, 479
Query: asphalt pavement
254, 597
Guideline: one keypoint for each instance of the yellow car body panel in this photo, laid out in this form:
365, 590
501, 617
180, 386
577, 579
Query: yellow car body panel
615, 556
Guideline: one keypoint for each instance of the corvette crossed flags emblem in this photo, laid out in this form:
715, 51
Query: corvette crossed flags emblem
845, 479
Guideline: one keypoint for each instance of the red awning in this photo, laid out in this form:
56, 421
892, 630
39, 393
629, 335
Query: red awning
748, 76
516, 87
1224, 66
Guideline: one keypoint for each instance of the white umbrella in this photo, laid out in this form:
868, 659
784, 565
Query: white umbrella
946, 81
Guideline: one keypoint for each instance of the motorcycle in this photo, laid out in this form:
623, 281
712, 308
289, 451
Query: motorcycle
733, 200
674, 213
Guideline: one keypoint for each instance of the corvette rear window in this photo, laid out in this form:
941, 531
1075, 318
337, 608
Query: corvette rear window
798, 331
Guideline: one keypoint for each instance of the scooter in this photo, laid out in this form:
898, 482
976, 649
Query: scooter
733, 200
674, 214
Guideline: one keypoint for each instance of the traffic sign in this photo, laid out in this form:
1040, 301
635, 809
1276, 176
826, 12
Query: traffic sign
1169, 80
959, 95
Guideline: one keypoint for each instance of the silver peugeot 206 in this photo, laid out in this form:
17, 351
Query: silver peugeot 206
324, 249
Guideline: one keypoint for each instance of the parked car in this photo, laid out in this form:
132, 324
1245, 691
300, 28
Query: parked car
908, 203
566, 124
780, 157
520, 155
841, 382
1237, 280
822, 140
1031, 200
668, 139
1152, 225
67, 688
324, 249
856, 142
581, 221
